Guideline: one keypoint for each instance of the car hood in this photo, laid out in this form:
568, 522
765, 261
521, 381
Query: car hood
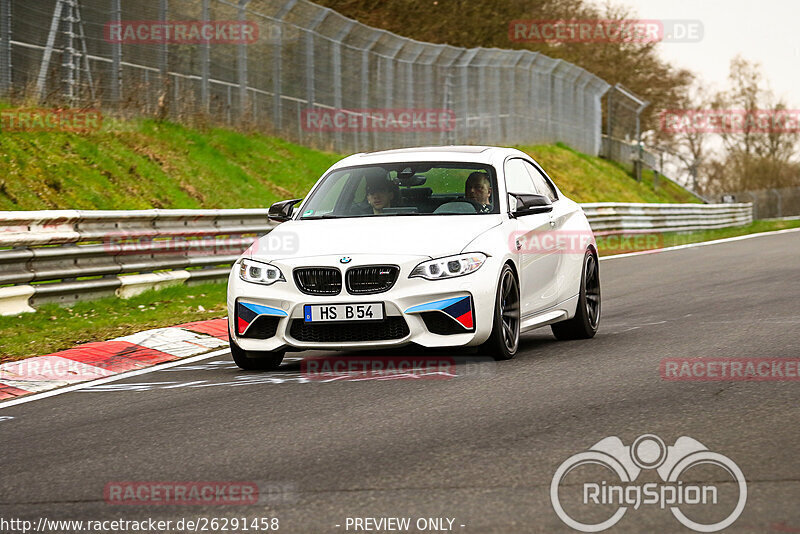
432, 236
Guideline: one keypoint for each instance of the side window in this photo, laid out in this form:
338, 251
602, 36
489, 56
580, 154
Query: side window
542, 185
518, 180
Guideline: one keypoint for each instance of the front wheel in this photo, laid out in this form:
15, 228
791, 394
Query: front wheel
587, 315
504, 339
255, 361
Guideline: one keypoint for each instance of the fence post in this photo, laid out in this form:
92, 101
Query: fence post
205, 62
552, 132
585, 133
69, 56
241, 62
5, 46
430, 90
163, 77
446, 136
309, 48
410, 136
395, 46
163, 51
336, 59
276, 65
609, 122
365, 85
470, 56
116, 55
48, 50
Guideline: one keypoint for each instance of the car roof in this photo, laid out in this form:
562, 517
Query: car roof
457, 153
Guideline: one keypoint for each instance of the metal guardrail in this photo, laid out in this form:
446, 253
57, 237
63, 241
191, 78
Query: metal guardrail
613, 217
70, 255
64, 256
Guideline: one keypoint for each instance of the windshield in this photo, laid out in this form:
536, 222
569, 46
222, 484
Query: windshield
429, 188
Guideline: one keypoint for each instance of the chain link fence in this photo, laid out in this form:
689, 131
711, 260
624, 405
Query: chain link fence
305, 58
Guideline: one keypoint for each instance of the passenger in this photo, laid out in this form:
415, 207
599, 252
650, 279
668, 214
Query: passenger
478, 189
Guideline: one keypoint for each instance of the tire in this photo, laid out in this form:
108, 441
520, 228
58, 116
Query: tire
587, 315
504, 339
255, 361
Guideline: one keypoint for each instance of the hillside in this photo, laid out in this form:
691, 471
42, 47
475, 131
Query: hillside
143, 164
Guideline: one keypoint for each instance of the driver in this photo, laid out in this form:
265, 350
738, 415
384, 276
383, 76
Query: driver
478, 189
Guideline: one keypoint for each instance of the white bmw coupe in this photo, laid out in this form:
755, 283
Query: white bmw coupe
448, 246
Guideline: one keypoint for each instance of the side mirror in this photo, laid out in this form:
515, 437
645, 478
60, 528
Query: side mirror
523, 204
282, 211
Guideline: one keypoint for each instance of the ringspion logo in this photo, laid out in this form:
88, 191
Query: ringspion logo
619, 491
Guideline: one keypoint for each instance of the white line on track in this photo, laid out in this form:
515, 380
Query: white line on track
176, 363
700, 244
114, 378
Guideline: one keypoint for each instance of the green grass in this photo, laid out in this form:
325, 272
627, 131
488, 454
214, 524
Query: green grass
53, 327
610, 245
586, 178
143, 163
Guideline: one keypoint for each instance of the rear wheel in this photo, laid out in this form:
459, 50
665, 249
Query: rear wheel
587, 315
504, 339
255, 361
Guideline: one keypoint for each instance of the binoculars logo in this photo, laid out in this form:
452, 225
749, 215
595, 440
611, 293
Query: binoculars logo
648, 452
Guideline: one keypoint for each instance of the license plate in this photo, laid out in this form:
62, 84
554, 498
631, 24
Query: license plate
371, 311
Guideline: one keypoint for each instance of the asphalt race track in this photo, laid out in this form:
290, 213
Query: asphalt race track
479, 448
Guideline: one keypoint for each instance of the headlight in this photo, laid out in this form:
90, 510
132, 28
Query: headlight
260, 273
449, 267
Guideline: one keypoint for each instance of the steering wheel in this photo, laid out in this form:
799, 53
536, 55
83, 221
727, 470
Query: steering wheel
450, 207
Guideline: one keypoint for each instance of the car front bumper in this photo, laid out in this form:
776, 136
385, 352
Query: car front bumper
412, 300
